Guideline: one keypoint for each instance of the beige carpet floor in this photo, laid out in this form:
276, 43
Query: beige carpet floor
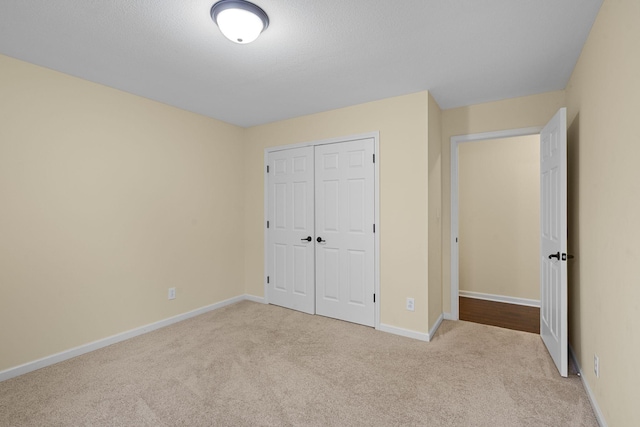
253, 364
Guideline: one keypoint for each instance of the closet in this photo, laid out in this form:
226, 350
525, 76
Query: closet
320, 251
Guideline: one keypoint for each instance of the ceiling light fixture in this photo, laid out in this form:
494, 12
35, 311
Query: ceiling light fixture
239, 21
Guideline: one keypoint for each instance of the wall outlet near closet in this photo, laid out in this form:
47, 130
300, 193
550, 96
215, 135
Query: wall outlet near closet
410, 304
596, 365
172, 293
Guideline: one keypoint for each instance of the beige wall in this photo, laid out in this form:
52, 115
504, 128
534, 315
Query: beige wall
524, 112
603, 103
107, 200
499, 216
435, 210
404, 173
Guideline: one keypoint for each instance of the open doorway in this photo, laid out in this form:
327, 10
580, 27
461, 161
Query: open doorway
499, 232
496, 228
552, 228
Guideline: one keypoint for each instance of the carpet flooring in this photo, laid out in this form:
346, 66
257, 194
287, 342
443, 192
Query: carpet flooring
251, 364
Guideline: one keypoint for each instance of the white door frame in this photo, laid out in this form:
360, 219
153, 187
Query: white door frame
376, 150
455, 142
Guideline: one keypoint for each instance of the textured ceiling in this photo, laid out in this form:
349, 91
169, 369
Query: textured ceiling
315, 55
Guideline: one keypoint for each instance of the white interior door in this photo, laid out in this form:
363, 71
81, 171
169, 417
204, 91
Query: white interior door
344, 180
553, 247
290, 233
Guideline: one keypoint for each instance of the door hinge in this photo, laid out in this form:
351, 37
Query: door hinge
374, 228
456, 240
267, 168
267, 279
374, 158
374, 297
267, 224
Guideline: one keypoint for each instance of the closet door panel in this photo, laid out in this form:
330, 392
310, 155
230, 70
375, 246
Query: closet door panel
290, 253
344, 198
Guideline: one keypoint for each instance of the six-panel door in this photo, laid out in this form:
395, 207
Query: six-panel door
344, 189
320, 238
290, 253
553, 240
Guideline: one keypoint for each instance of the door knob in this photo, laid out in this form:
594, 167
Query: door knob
556, 256
307, 239
319, 240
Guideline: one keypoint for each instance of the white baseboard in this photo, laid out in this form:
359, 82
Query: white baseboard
254, 298
500, 298
448, 316
404, 332
95, 345
592, 398
434, 328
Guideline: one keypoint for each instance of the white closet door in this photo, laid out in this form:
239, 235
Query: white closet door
344, 189
290, 253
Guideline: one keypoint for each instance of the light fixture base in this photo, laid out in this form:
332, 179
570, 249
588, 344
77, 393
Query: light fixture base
240, 21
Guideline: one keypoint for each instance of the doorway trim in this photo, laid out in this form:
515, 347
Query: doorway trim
376, 206
455, 142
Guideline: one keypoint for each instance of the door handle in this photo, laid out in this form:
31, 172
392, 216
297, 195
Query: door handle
564, 256
307, 239
319, 240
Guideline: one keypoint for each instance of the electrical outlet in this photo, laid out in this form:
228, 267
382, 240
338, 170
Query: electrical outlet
410, 304
172, 293
596, 365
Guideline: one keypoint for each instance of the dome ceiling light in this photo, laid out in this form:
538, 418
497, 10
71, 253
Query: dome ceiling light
238, 20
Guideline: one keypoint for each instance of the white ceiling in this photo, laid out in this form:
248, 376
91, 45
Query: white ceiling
316, 55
